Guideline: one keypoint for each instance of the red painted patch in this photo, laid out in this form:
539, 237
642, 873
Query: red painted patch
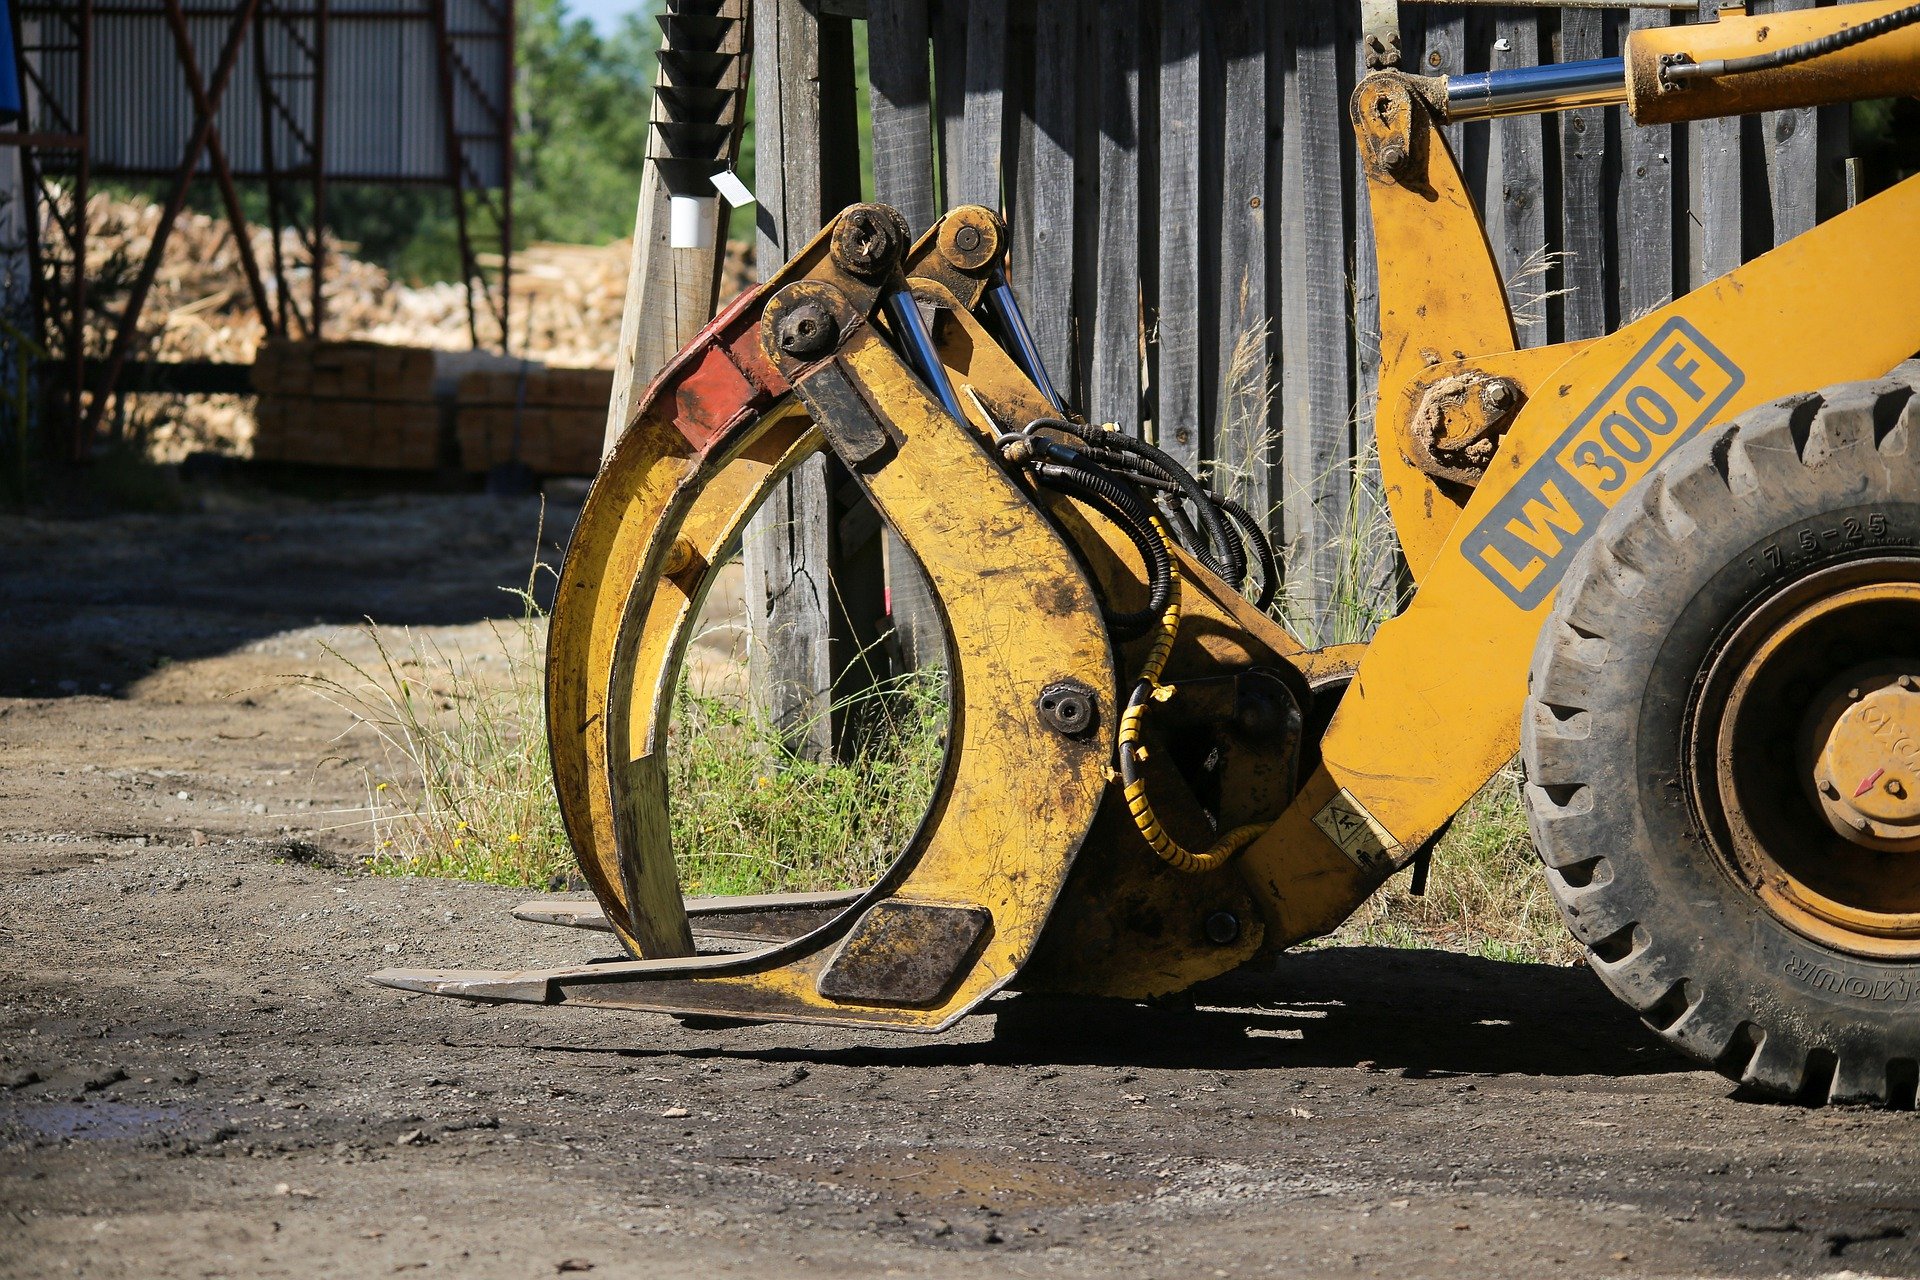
719, 381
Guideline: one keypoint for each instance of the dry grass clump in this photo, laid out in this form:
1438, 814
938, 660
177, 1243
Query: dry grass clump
463, 787
1485, 894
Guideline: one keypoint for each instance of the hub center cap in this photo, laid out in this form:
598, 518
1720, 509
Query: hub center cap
1867, 773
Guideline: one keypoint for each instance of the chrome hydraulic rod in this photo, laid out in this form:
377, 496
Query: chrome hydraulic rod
1025, 351
1560, 86
911, 331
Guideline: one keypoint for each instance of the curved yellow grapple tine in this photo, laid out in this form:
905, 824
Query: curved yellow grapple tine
651, 495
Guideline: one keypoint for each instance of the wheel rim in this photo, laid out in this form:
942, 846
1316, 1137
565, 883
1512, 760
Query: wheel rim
1804, 751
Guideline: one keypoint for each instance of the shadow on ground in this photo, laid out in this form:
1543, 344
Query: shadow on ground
96, 603
1419, 1013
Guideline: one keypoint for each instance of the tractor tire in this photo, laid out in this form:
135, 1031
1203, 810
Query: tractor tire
1694, 695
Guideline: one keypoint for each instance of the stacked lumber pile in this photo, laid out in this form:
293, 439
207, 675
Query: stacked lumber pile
567, 301
346, 404
549, 420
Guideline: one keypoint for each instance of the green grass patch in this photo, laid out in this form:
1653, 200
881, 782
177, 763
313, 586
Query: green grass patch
463, 789
750, 816
1485, 894
463, 786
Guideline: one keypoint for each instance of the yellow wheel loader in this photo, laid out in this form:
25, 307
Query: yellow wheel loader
1677, 568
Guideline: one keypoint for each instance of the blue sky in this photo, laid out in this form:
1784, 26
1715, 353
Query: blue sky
604, 14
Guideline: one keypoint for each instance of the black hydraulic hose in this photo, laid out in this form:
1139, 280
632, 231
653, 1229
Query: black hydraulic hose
1262, 551
1130, 512
1146, 475
1226, 557
1172, 501
1714, 68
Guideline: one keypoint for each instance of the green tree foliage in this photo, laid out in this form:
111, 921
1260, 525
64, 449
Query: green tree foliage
582, 103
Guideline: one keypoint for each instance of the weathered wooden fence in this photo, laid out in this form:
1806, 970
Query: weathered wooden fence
1191, 244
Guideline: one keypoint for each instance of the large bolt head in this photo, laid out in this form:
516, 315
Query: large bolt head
1222, 928
864, 243
807, 331
1068, 707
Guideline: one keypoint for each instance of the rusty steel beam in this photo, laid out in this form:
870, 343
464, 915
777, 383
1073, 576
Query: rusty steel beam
143, 283
222, 171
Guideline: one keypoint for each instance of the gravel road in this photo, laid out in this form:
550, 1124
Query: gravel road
196, 1080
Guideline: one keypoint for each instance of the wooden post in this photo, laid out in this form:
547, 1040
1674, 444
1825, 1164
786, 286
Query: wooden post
1714, 195
1043, 222
979, 169
1242, 394
950, 87
1645, 226
1584, 220
1314, 382
1113, 393
1177, 318
903, 176
1520, 214
813, 552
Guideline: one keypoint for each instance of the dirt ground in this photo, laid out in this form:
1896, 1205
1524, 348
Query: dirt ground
196, 1079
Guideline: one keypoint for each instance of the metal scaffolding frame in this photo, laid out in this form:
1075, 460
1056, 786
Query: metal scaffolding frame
285, 56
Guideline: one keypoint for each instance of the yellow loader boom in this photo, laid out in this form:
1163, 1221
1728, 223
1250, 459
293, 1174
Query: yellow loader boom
1678, 567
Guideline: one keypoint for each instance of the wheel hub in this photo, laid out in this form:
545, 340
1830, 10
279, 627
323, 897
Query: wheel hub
1867, 773
1805, 755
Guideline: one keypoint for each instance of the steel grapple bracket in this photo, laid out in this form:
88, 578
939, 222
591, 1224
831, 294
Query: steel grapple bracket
796, 366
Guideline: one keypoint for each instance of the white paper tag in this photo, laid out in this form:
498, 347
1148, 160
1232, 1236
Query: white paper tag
731, 189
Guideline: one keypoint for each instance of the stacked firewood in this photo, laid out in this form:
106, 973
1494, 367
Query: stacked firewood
567, 301
550, 420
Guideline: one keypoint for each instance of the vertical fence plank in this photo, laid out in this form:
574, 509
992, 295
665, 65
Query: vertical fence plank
1242, 327
1147, 237
1016, 109
1647, 231
1371, 572
1313, 315
902, 108
950, 91
1713, 190
1043, 272
1113, 393
1088, 152
1792, 157
1584, 215
785, 546
812, 553
903, 176
980, 131
1177, 317
1442, 51
856, 549
1520, 214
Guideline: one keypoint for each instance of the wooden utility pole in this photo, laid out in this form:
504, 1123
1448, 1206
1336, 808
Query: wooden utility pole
671, 293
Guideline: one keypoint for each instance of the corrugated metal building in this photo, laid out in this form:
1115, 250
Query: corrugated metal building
383, 76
